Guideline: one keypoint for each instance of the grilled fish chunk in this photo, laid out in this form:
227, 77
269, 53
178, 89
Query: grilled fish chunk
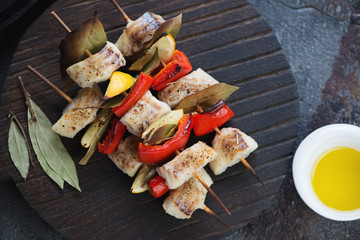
125, 155
183, 166
137, 33
183, 201
185, 86
76, 116
143, 113
231, 145
98, 67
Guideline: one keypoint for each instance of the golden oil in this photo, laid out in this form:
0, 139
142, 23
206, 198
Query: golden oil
336, 178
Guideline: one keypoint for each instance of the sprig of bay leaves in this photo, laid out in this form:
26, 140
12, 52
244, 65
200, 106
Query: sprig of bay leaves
51, 153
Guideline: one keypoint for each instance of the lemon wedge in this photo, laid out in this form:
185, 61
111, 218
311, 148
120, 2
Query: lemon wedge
165, 46
119, 82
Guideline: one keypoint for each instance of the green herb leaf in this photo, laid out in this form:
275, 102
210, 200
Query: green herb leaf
152, 64
171, 26
89, 36
157, 135
18, 149
51, 147
206, 98
47, 169
113, 102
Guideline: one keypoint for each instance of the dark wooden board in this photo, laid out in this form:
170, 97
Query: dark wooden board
228, 39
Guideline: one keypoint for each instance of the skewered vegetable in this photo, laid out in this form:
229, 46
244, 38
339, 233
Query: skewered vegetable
141, 86
119, 83
178, 66
158, 187
155, 154
113, 138
165, 47
214, 117
79, 113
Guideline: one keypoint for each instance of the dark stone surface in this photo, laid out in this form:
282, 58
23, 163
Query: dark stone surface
322, 48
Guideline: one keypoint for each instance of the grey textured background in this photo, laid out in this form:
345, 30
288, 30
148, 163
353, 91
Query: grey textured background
309, 33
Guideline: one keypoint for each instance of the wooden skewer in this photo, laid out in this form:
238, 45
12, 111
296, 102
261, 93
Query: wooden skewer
64, 95
208, 188
209, 211
53, 13
246, 164
125, 16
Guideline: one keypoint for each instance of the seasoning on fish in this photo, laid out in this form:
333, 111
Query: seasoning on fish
143, 113
80, 112
231, 145
185, 86
98, 67
183, 201
125, 155
183, 166
138, 33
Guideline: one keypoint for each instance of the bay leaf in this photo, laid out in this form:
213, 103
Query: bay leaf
89, 36
207, 97
47, 169
18, 150
157, 135
113, 102
52, 149
152, 64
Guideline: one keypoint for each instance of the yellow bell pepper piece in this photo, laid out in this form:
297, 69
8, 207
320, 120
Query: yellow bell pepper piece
119, 83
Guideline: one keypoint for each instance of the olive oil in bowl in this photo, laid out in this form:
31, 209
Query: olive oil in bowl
336, 178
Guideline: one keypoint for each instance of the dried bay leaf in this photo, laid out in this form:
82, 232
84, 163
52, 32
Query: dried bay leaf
18, 150
89, 36
207, 97
47, 169
51, 147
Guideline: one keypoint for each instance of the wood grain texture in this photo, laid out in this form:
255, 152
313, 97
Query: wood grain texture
226, 38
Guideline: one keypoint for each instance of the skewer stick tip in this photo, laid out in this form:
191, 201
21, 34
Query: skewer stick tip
125, 16
60, 21
211, 192
209, 211
247, 165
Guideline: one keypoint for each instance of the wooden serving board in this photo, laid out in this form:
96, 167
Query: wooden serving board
229, 40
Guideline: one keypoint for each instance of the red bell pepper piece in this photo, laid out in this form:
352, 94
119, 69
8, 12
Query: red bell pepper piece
140, 87
158, 186
155, 154
216, 116
178, 66
113, 138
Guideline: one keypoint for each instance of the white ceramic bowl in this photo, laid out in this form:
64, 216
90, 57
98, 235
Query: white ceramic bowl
316, 143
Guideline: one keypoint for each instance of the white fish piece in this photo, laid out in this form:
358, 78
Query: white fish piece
185, 86
80, 112
125, 156
143, 113
231, 145
183, 201
183, 166
138, 33
98, 67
